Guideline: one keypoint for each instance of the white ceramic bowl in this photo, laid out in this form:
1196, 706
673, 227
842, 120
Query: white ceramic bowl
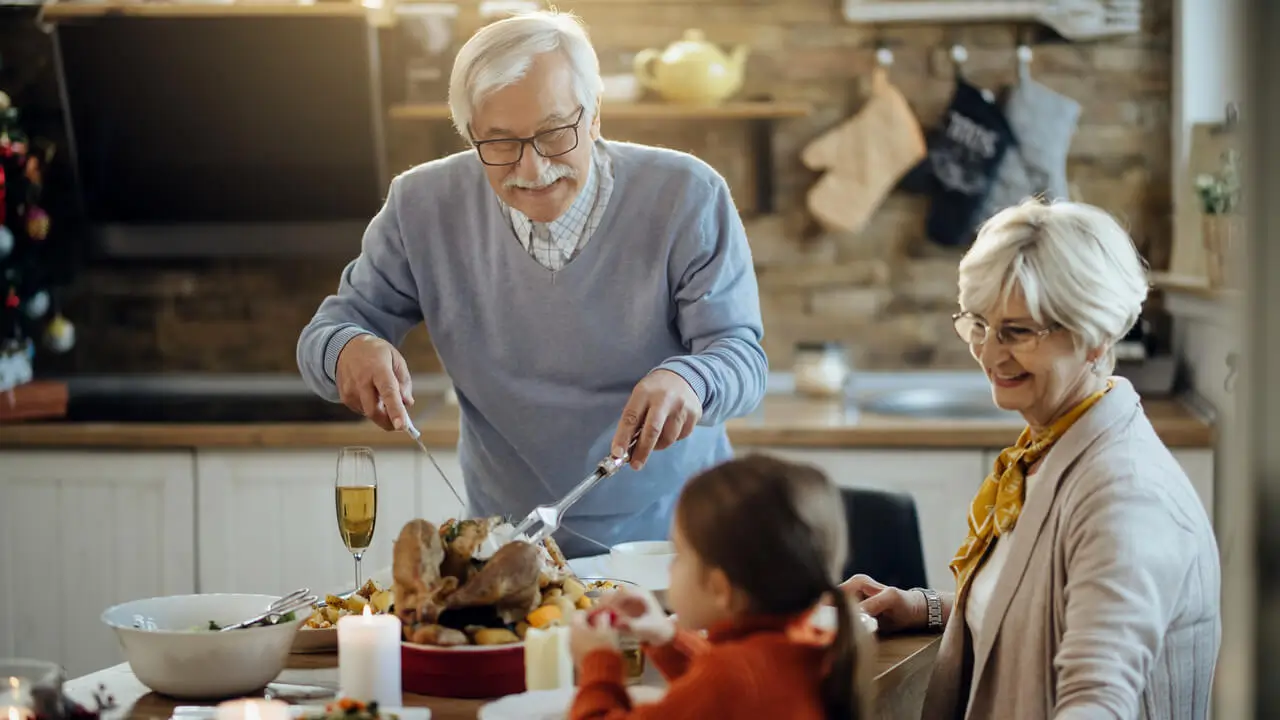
172, 658
645, 563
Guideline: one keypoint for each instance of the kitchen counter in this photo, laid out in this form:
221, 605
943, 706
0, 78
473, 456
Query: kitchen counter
782, 420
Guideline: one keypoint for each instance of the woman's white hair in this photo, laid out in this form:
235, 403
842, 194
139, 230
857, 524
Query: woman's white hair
1074, 265
500, 54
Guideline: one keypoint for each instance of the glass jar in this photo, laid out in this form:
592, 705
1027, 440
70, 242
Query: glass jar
821, 369
427, 32
633, 660
30, 689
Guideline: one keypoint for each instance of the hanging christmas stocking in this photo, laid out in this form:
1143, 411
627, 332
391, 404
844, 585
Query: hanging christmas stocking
964, 154
863, 157
1043, 121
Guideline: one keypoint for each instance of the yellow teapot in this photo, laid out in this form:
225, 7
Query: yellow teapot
692, 70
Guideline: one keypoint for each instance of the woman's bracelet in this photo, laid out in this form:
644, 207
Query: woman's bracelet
934, 601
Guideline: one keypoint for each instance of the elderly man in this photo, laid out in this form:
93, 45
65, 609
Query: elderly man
581, 293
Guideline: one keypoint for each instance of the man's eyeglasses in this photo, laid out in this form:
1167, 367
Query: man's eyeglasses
549, 143
975, 331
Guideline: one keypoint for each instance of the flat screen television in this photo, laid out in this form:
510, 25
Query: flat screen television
207, 136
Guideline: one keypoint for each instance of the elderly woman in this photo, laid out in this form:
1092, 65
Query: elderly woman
1088, 584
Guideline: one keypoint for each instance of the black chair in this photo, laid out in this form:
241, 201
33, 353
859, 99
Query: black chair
884, 537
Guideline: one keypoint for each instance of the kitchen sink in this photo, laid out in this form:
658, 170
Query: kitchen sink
935, 402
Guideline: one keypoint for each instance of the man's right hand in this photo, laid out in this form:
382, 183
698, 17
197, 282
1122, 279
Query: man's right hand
373, 380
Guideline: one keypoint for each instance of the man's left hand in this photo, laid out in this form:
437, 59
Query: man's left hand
663, 409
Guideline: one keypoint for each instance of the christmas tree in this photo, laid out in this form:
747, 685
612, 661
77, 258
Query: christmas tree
28, 309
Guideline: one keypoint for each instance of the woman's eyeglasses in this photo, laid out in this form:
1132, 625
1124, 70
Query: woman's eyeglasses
550, 143
975, 331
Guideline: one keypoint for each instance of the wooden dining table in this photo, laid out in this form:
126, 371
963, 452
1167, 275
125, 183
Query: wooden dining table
902, 664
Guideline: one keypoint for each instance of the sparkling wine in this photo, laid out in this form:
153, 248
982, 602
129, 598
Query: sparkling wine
357, 507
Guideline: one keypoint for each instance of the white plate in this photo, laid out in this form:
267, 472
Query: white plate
325, 640
315, 640
552, 704
207, 712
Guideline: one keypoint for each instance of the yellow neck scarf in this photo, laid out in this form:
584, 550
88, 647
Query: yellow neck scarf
995, 509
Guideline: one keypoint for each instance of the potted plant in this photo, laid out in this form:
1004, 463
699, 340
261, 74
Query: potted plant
1219, 195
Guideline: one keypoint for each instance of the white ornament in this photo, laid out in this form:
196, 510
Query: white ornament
37, 305
15, 369
6, 242
60, 335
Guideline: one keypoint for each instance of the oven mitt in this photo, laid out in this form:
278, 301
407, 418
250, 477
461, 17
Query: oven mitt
863, 157
964, 154
1043, 121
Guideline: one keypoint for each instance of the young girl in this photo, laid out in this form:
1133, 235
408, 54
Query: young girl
759, 543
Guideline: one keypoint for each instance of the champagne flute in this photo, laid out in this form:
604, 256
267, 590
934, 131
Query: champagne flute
356, 501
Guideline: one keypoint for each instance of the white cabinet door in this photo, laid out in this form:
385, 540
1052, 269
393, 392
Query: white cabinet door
267, 522
941, 481
436, 502
80, 532
1197, 463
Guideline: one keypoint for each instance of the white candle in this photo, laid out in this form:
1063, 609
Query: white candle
13, 712
251, 709
369, 658
547, 662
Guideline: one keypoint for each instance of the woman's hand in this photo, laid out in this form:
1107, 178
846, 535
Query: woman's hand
638, 613
894, 609
588, 634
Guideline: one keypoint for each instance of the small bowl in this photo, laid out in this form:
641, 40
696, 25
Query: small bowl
646, 563
172, 657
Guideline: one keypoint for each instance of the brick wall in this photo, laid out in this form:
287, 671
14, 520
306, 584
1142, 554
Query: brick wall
885, 291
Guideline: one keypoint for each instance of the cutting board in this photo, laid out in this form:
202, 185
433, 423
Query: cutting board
39, 399
1208, 143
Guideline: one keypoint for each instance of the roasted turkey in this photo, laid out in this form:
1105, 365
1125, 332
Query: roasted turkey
508, 582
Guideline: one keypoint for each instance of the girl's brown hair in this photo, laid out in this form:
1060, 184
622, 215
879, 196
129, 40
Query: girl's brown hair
777, 531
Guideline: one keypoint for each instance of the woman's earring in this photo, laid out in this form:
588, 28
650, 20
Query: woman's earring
1095, 367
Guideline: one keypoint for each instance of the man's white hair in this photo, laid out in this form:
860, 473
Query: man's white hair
1072, 262
500, 54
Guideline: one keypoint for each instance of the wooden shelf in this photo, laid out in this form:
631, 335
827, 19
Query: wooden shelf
76, 10
1084, 20
745, 110
1191, 285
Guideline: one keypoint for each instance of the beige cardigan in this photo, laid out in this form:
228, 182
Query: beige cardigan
1108, 605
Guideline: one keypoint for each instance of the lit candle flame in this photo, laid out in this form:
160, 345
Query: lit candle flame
366, 612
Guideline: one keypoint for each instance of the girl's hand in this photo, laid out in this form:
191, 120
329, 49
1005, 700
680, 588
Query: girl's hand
587, 636
638, 613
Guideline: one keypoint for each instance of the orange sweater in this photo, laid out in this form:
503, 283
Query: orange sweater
753, 669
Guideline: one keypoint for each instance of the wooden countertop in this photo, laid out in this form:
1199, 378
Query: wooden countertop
781, 421
902, 666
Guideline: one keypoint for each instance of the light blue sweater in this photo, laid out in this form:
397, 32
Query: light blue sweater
544, 362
